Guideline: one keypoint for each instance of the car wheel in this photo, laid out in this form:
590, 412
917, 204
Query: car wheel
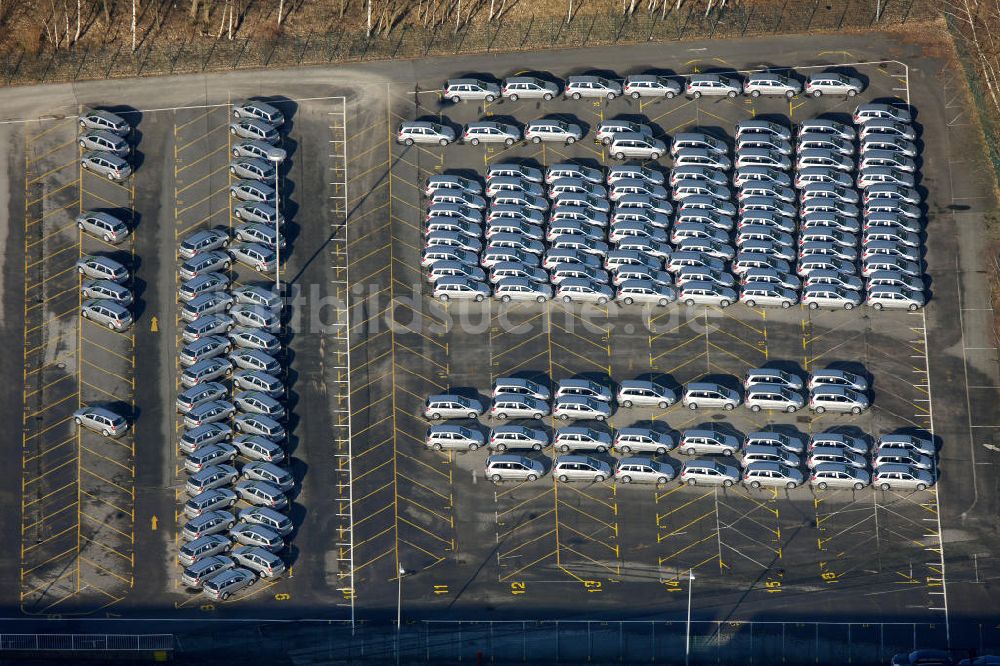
817, 93
598, 478
535, 447
435, 416
602, 418
473, 447
455, 99
852, 92
106, 432
848, 306
855, 410
790, 485
692, 482
754, 408
567, 299
790, 409
225, 595
884, 486
912, 307
606, 141
663, 302
750, 303
541, 299
548, 97
689, 302
822, 485
813, 306
531, 477
628, 300
513, 97
729, 406
697, 94
473, 415
619, 156
693, 406
86, 167
690, 451
661, 451
728, 483
501, 416
626, 403
80, 270
570, 139
537, 416
501, 447
575, 95
443, 297
508, 142
505, 298
724, 303
474, 141
820, 409
564, 448
111, 325
859, 486
878, 306
436, 446
407, 141
536, 139
564, 417
755, 94
755, 484
602, 300
670, 94
789, 94
654, 155
921, 486
490, 98
77, 420
443, 142
786, 305
634, 95
232, 130
626, 479
563, 478
663, 404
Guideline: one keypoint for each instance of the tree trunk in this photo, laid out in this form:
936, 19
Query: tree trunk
368, 32
193, 11
569, 12
281, 8
79, 10
343, 7
230, 21
133, 25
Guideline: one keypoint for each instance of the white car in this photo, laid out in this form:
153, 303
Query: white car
552, 130
713, 84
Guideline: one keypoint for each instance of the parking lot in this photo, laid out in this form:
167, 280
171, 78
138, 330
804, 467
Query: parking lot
100, 518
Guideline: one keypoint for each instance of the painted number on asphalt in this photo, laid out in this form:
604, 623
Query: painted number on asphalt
282, 596
518, 587
672, 585
829, 576
592, 586
440, 589
207, 607
772, 585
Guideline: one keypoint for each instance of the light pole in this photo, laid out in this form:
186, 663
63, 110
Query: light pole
276, 160
687, 638
399, 607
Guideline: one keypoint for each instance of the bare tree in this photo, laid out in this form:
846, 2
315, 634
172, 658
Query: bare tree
134, 2
281, 9
79, 11
569, 11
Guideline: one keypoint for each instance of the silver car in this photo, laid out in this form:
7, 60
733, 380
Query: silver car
254, 255
99, 119
251, 128
100, 419
837, 399
643, 393
458, 90
258, 211
581, 468
216, 498
208, 412
419, 131
552, 130
488, 131
259, 560
107, 313
641, 469
206, 370
528, 87
105, 164
202, 284
709, 473
838, 475
592, 86
259, 149
203, 263
259, 111
228, 583
651, 85
252, 168
713, 84
105, 141
251, 190
832, 83
771, 83
106, 290
203, 241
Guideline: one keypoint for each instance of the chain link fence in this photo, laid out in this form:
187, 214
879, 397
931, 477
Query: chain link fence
161, 55
985, 107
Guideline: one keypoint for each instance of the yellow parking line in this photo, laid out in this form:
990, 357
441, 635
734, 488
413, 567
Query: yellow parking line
31, 139
42, 410
201, 116
201, 137
47, 540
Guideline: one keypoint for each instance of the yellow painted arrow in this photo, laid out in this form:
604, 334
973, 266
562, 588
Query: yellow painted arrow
154, 328
152, 522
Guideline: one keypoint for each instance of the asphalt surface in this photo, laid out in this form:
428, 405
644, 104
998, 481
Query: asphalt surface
540, 550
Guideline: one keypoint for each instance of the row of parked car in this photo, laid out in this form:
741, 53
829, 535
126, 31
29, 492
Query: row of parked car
831, 459
769, 389
630, 208
105, 292
233, 382
783, 83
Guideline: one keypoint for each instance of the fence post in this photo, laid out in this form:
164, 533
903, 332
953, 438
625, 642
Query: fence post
906, 14
746, 24
204, 64
811, 15
684, 26
239, 56
528, 31
590, 29
83, 61
781, 15
305, 47
840, 23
